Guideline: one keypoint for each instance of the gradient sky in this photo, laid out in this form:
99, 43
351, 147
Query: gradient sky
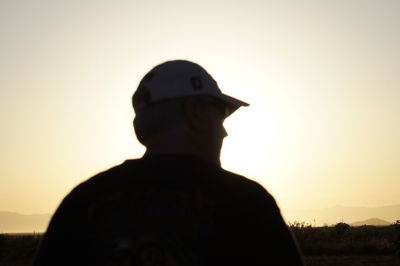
322, 78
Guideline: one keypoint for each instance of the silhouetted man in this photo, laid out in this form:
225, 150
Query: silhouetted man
176, 205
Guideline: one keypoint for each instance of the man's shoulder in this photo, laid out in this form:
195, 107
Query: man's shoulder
135, 171
102, 179
116, 170
245, 189
243, 180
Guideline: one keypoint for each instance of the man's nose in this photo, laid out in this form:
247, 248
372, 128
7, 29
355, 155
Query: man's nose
224, 133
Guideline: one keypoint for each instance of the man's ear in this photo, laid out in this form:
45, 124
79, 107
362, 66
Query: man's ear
138, 128
194, 114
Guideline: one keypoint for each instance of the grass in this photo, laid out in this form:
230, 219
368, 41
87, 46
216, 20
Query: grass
345, 245
328, 245
343, 239
18, 250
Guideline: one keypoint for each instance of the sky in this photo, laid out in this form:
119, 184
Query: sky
322, 79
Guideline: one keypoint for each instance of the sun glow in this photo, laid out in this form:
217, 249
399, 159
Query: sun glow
321, 79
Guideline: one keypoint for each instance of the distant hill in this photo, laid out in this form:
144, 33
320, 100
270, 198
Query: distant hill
372, 221
12, 222
345, 214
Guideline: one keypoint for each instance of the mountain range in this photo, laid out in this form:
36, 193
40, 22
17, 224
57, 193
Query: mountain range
336, 214
372, 221
12, 222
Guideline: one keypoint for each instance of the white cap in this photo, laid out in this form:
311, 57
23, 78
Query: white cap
179, 78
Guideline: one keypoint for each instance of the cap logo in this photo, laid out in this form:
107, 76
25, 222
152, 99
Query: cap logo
196, 83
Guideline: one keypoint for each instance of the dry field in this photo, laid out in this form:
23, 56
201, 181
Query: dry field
339, 245
365, 260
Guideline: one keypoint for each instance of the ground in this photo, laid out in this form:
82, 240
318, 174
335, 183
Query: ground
339, 245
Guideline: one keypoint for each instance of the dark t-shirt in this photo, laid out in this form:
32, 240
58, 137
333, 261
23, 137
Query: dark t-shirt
168, 210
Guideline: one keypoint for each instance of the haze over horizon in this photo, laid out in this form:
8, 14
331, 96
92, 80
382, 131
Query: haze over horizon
322, 79
11, 222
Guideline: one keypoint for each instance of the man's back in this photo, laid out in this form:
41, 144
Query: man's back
168, 210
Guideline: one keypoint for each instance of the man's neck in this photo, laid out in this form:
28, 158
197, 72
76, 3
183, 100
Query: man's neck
179, 142
150, 152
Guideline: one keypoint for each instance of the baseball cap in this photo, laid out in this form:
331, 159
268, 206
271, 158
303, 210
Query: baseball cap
176, 79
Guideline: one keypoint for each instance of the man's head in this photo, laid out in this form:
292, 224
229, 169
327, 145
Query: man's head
178, 104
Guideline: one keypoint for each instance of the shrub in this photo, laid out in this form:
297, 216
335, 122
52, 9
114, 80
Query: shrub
342, 229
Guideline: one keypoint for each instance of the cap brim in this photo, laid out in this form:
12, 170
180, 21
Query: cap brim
232, 103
